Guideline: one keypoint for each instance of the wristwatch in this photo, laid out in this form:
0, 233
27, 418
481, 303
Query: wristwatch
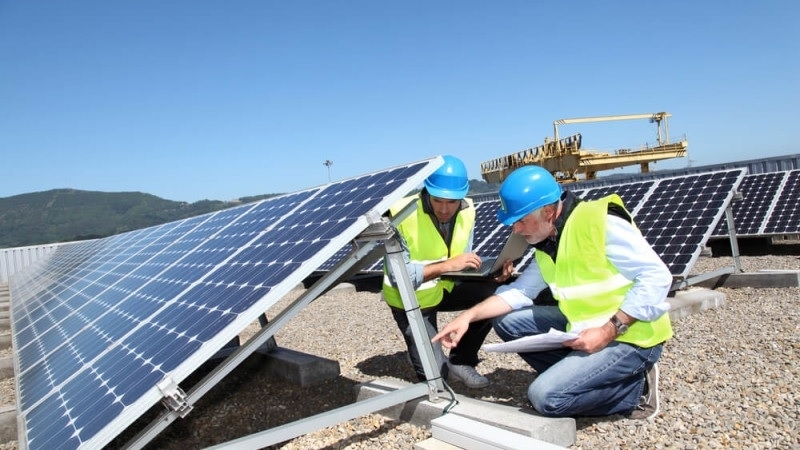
621, 328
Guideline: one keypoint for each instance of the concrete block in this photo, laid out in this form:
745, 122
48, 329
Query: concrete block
300, 368
689, 302
760, 279
764, 279
435, 444
420, 412
468, 433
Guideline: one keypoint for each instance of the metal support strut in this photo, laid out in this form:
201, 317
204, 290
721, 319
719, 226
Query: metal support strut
394, 259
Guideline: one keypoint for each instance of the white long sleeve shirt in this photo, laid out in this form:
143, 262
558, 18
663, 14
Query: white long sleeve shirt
632, 256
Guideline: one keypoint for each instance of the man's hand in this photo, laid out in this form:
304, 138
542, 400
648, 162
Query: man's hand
592, 340
455, 264
452, 332
505, 272
464, 261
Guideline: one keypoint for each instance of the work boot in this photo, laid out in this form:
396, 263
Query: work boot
467, 375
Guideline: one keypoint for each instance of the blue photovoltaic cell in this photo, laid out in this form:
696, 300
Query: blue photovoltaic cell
768, 205
100, 323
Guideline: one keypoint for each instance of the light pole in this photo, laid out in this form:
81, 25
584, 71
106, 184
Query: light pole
328, 163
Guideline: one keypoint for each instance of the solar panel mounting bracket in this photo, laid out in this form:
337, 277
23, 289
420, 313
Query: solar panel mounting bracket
381, 229
174, 397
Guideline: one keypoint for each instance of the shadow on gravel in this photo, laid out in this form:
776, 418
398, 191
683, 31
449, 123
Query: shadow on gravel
396, 365
508, 386
755, 247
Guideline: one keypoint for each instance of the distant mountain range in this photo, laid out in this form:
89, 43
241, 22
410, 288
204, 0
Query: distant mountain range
62, 215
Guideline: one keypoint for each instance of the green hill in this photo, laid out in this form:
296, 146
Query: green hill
63, 215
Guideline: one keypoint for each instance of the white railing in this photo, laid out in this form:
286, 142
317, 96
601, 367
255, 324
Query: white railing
13, 260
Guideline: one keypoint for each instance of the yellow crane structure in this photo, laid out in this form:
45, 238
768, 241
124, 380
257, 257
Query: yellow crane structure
565, 159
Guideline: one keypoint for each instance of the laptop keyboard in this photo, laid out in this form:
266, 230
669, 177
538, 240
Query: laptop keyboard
486, 265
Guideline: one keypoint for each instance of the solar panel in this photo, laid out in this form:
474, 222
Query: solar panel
679, 214
769, 206
490, 235
676, 215
101, 327
785, 217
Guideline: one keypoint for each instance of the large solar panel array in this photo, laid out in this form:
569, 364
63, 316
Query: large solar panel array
770, 205
100, 324
676, 215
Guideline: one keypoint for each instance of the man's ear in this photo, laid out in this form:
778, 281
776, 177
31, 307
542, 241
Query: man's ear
551, 212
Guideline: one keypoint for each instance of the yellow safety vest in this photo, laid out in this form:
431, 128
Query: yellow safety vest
589, 289
425, 246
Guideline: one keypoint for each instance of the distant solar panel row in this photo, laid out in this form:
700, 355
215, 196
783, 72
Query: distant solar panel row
770, 205
100, 323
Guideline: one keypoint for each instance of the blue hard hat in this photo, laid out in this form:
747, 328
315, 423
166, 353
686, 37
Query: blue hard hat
526, 190
449, 181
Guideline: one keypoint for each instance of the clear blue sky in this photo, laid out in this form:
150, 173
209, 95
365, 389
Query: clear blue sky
191, 100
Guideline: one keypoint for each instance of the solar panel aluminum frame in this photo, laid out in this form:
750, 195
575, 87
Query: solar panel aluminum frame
154, 394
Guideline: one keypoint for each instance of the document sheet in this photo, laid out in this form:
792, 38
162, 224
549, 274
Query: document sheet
551, 340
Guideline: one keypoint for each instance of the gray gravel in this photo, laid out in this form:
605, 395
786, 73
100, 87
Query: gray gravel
728, 378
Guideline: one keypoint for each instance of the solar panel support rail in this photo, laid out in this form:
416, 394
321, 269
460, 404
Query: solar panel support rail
737, 264
367, 244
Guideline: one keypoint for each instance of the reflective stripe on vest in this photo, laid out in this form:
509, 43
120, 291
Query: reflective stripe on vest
597, 288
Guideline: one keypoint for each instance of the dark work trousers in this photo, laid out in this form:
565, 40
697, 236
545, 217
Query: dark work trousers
464, 295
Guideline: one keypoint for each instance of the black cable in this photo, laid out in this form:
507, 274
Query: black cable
453, 399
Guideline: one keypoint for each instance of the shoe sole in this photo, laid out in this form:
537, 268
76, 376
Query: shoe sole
652, 383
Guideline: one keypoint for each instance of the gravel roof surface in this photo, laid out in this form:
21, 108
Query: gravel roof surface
728, 378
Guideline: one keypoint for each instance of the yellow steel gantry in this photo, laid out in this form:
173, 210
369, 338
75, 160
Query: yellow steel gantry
564, 158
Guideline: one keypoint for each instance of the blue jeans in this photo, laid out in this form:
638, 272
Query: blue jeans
575, 383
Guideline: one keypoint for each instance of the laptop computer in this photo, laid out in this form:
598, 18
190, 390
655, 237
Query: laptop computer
514, 248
